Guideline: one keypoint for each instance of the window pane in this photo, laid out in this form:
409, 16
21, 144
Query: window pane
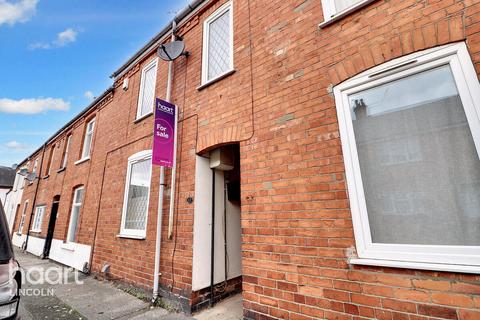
72, 234
219, 47
341, 5
86, 145
419, 165
22, 221
148, 91
90, 126
37, 224
78, 196
139, 188
65, 155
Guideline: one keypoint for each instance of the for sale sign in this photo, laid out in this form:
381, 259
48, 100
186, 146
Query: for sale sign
164, 133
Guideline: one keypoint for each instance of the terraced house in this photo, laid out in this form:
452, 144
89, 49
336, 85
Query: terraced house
332, 146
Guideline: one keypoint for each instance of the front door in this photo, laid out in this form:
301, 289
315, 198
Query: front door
51, 227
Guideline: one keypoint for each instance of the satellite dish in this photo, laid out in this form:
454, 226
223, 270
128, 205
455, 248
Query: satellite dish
23, 172
171, 50
31, 176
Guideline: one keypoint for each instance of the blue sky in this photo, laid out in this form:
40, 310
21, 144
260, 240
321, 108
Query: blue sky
56, 55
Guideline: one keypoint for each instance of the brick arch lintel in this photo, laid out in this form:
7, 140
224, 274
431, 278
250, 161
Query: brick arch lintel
451, 29
221, 136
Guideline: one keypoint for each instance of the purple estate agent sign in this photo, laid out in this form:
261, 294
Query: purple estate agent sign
164, 133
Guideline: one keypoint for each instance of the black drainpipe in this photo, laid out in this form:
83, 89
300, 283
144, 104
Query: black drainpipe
212, 261
39, 174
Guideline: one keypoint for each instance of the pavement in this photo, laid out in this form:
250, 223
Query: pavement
74, 296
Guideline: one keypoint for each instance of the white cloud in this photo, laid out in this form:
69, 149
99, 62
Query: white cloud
89, 95
19, 11
16, 146
33, 106
66, 37
63, 39
39, 45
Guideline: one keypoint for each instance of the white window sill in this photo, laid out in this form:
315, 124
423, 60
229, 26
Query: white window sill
82, 160
140, 119
216, 79
36, 231
416, 265
68, 246
130, 236
344, 13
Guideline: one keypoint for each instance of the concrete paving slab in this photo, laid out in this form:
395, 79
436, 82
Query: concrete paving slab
92, 299
155, 313
229, 309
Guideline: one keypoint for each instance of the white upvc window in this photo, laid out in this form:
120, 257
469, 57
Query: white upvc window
38, 219
217, 57
35, 166
22, 219
146, 98
87, 141
66, 151
77, 201
137, 195
338, 8
410, 133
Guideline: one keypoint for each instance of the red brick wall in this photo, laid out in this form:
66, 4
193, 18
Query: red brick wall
61, 183
297, 225
296, 221
201, 126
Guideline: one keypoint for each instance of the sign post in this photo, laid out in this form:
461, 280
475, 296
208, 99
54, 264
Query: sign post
163, 155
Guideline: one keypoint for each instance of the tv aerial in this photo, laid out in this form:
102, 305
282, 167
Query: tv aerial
32, 176
172, 50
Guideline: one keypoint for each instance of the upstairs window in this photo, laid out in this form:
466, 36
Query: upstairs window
66, 149
146, 98
336, 8
218, 44
410, 133
75, 214
87, 141
22, 219
38, 219
49, 161
137, 194
35, 165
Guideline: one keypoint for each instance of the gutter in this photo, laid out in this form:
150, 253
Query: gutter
158, 38
78, 116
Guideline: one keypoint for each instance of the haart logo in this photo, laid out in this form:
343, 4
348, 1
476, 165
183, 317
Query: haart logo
166, 109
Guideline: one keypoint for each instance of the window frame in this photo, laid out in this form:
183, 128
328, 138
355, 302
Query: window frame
51, 155
91, 134
330, 15
151, 64
430, 257
74, 204
133, 233
228, 6
38, 219
35, 166
68, 141
22, 218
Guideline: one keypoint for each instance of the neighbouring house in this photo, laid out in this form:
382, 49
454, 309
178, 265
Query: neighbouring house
7, 178
332, 146
14, 197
